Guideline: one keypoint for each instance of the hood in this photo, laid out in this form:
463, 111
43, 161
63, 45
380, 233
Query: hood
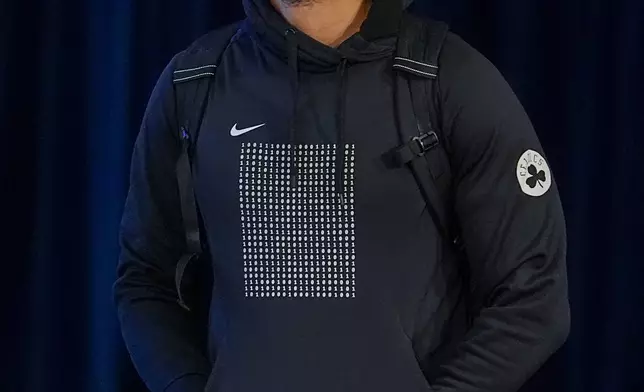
376, 39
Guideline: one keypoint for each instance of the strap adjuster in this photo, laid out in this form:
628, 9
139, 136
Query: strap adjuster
425, 142
416, 147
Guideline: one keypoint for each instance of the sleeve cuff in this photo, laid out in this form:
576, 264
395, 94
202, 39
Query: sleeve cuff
188, 383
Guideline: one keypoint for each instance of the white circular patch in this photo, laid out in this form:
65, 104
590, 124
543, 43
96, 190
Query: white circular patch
533, 174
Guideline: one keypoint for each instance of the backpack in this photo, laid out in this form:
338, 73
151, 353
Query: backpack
423, 147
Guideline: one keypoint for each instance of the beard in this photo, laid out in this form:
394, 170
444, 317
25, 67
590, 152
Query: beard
297, 3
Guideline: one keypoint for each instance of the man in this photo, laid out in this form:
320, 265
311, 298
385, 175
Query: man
330, 274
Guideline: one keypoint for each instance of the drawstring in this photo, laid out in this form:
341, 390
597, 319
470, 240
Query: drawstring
291, 39
339, 148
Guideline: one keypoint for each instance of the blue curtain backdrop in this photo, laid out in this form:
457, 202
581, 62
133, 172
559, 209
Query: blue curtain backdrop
74, 80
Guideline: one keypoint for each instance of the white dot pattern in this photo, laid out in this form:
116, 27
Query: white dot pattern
298, 242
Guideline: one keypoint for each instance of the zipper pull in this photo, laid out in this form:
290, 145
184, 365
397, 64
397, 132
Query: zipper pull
185, 136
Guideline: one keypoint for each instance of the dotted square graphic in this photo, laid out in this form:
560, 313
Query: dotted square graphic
298, 239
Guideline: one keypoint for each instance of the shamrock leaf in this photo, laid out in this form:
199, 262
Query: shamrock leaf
536, 177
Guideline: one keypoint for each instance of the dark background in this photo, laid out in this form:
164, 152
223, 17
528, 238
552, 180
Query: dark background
74, 80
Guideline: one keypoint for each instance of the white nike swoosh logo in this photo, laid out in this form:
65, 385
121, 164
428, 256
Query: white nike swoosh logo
238, 132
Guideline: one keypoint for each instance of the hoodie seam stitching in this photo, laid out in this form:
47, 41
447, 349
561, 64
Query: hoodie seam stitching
182, 376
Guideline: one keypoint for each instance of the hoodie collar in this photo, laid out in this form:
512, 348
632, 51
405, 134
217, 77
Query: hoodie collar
376, 39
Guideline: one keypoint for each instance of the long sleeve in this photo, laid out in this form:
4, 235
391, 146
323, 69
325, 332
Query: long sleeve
513, 227
159, 334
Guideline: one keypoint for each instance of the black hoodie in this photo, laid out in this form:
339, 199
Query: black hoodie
329, 273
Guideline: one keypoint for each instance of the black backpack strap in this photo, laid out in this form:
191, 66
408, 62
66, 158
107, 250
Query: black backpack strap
419, 45
193, 78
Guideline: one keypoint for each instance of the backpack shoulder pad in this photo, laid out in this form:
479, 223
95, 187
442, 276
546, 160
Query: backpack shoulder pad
200, 59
